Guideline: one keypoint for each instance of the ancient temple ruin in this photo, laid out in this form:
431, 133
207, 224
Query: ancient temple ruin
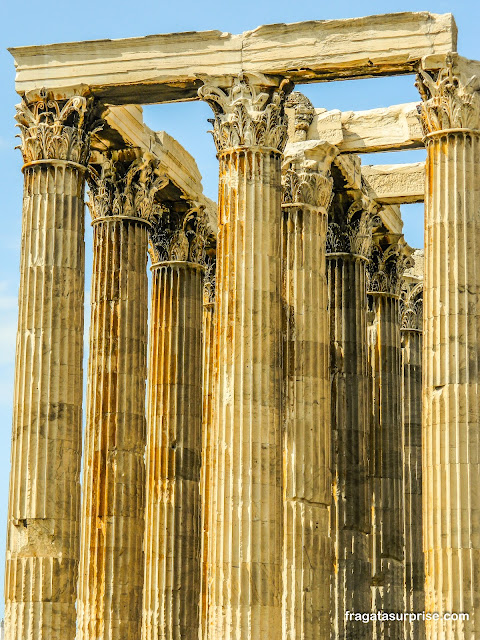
261, 459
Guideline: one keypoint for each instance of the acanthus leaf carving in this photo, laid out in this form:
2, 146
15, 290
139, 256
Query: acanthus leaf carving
388, 260
451, 100
306, 187
248, 114
306, 176
55, 129
180, 236
411, 305
351, 231
209, 281
125, 184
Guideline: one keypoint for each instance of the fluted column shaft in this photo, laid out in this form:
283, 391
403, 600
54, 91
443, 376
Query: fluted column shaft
245, 583
207, 460
44, 503
308, 552
412, 437
44, 499
451, 421
386, 452
308, 547
350, 441
172, 535
246, 546
111, 569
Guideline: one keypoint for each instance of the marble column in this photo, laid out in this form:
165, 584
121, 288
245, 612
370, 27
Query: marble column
111, 561
208, 358
250, 131
351, 220
411, 317
388, 259
171, 609
451, 356
308, 546
44, 499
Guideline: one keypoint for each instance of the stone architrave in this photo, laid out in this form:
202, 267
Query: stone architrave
307, 491
411, 308
170, 67
44, 500
388, 260
351, 221
122, 196
245, 569
174, 444
451, 358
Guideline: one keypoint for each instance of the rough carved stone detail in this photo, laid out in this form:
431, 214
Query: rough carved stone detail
125, 185
451, 100
352, 232
248, 114
179, 236
53, 129
307, 187
210, 276
388, 261
306, 178
411, 305
304, 113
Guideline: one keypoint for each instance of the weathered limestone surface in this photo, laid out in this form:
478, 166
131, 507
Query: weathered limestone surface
168, 67
275, 553
396, 183
174, 444
111, 565
208, 345
348, 245
44, 500
388, 259
308, 548
411, 315
451, 429
245, 581
385, 129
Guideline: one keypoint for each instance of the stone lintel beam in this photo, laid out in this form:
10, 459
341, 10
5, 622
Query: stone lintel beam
392, 217
396, 183
385, 129
168, 67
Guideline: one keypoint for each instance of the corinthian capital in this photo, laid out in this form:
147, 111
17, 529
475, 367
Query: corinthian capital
181, 237
411, 296
350, 227
411, 305
125, 184
451, 97
389, 257
55, 129
306, 174
249, 114
210, 277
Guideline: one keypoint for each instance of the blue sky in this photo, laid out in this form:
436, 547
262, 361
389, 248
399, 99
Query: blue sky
29, 23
